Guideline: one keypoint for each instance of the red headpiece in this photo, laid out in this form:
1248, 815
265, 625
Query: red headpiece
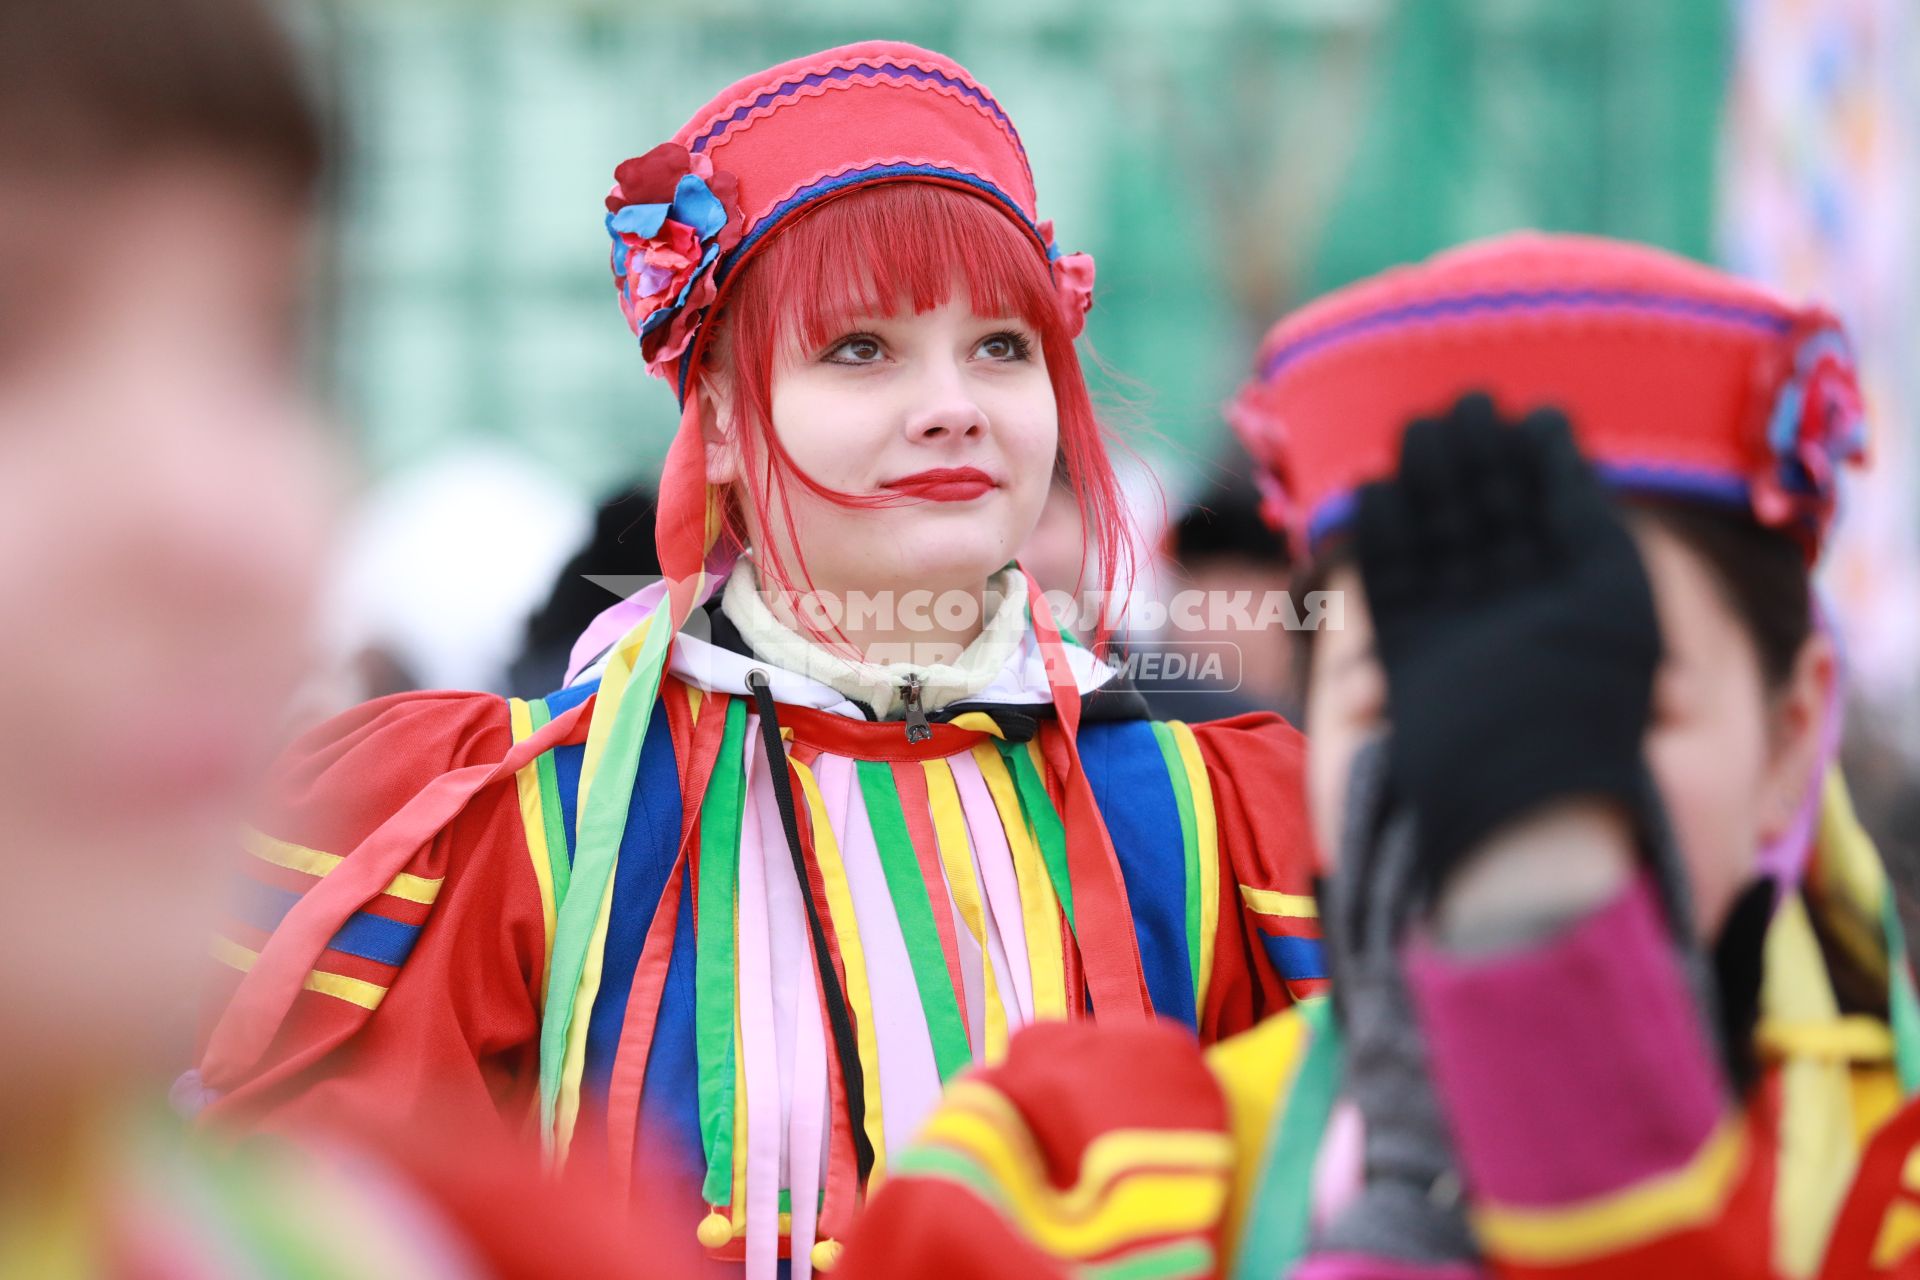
1679, 380
688, 215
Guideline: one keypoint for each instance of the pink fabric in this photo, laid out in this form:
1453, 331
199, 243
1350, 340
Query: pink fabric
1575, 1068
999, 890
623, 616
973, 974
1341, 1168
765, 1134
909, 1079
797, 1006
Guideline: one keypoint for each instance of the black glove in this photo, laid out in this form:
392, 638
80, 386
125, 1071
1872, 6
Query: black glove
1515, 625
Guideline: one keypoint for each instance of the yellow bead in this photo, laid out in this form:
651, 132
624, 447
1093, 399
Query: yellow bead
825, 1254
716, 1229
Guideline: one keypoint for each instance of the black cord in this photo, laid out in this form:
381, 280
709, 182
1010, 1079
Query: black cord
838, 1016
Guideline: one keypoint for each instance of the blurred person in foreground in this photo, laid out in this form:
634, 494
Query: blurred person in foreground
164, 497
1617, 985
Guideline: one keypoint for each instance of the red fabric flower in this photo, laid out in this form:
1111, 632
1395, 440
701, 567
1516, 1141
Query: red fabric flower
1817, 424
671, 216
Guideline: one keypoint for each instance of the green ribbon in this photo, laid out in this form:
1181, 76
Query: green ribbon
1190, 838
1044, 820
715, 963
914, 909
1903, 1005
552, 816
603, 822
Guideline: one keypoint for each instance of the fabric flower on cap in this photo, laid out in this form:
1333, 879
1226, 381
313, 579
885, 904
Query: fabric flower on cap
671, 215
1818, 424
1072, 279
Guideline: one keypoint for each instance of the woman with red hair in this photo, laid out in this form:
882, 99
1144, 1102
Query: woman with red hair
829, 812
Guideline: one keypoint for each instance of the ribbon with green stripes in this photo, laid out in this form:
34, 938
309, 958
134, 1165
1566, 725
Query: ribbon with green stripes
914, 909
1189, 838
715, 965
552, 816
1043, 819
608, 789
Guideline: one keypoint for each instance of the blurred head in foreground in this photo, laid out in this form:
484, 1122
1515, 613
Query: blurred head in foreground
162, 497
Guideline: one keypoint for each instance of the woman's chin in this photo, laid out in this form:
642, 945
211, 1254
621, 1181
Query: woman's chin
944, 567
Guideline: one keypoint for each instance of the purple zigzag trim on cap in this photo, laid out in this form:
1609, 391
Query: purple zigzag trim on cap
840, 181
865, 69
1466, 305
872, 173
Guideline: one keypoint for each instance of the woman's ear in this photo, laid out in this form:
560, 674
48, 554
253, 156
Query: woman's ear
716, 426
1796, 735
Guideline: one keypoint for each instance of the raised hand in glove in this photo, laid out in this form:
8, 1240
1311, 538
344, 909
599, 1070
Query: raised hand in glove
1515, 625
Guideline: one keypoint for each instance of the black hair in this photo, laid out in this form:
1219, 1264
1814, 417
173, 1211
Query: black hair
1225, 523
1761, 573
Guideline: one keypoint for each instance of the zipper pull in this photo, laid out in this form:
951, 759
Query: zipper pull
918, 730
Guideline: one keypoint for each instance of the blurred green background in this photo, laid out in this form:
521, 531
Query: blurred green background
1222, 159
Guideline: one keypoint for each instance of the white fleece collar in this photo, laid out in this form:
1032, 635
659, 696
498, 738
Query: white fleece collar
1020, 680
880, 685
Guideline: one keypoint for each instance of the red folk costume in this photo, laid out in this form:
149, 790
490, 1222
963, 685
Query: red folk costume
700, 910
1593, 1125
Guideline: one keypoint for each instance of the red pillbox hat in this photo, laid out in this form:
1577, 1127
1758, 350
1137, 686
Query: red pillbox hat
1680, 380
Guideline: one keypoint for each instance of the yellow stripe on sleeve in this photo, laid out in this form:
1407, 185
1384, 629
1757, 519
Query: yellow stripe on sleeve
338, 985
282, 853
1296, 906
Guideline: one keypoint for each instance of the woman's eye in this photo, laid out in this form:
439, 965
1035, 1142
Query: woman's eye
1007, 346
859, 348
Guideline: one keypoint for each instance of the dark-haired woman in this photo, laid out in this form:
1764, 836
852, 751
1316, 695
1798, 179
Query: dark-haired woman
1617, 988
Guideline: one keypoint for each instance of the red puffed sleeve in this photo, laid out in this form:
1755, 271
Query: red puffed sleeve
415, 994
1266, 949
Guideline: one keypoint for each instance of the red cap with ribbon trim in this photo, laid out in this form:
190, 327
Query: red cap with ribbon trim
687, 216
1679, 380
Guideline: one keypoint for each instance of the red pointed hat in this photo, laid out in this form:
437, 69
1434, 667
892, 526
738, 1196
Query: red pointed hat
1680, 381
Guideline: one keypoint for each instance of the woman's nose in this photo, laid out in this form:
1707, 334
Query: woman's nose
945, 409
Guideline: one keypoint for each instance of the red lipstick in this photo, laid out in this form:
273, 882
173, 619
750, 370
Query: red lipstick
944, 484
